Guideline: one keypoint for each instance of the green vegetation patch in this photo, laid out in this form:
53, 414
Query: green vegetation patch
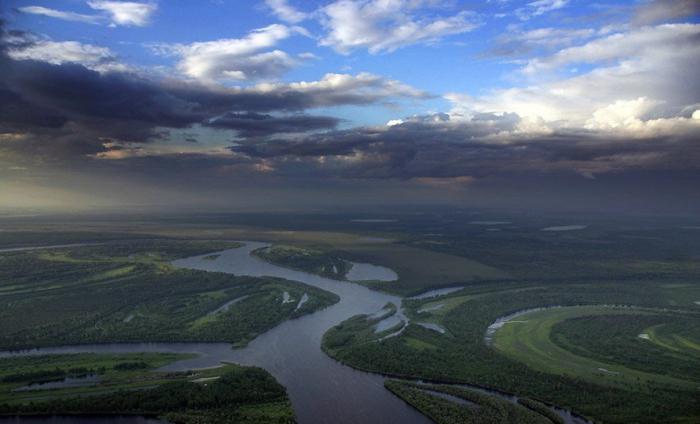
678, 336
419, 269
646, 342
527, 339
462, 356
483, 408
113, 371
129, 293
358, 330
623, 249
303, 259
229, 394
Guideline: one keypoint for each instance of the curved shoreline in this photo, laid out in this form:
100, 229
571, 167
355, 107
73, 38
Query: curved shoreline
505, 319
353, 297
321, 389
576, 417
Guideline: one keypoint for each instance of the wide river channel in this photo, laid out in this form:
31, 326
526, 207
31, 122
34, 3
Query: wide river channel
321, 389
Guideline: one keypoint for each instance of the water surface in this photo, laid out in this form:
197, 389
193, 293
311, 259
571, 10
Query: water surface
320, 389
566, 228
368, 272
436, 293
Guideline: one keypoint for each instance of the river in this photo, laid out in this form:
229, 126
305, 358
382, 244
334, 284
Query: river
321, 389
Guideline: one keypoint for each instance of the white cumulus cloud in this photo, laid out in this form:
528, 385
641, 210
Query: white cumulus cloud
334, 87
540, 7
386, 25
283, 10
126, 13
93, 57
59, 14
643, 75
114, 13
235, 58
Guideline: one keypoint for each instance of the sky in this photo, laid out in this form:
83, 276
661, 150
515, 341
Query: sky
286, 104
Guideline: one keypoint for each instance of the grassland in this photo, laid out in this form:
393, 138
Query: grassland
418, 269
644, 261
113, 372
479, 408
308, 260
607, 249
460, 355
678, 337
128, 292
662, 343
527, 339
357, 330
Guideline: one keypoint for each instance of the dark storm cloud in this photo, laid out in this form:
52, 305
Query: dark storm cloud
69, 112
250, 124
130, 107
434, 148
114, 104
37, 96
17, 113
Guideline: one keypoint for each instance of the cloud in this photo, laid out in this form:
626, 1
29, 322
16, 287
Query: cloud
657, 64
67, 100
116, 13
285, 12
58, 14
235, 58
126, 13
516, 43
646, 41
482, 147
633, 111
655, 11
58, 52
337, 89
539, 7
248, 124
622, 114
64, 111
384, 26
129, 107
